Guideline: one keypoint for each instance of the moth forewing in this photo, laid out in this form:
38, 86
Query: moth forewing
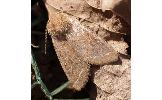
76, 70
76, 47
91, 47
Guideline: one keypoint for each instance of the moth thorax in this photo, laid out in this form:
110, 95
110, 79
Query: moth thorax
58, 24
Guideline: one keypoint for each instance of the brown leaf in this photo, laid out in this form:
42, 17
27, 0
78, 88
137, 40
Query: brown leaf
119, 7
81, 9
114, 79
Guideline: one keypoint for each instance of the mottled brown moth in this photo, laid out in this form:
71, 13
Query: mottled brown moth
77, 47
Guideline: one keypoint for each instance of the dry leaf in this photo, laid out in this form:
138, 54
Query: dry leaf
121, 95
81, 9
119, 7
103, 4
114, 79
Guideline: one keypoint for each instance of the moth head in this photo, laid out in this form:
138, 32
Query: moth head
58, 24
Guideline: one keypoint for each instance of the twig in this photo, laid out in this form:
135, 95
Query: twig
34, 84
59, 89
38, 78
40, 82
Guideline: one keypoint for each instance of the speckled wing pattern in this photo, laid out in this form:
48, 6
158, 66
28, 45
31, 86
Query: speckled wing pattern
89, 46
77, 47
76, 69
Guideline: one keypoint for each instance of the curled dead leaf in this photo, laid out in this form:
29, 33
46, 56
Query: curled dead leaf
119, 7
114, 79
81, 9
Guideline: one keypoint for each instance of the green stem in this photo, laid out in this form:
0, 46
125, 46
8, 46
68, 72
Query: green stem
34, 84
43, 86
38, 78
59, 89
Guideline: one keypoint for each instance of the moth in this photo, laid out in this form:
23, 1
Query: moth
77, 47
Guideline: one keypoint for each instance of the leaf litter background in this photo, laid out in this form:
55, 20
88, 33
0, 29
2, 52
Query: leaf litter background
106, 82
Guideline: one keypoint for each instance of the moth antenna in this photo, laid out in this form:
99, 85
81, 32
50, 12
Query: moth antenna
45, 42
